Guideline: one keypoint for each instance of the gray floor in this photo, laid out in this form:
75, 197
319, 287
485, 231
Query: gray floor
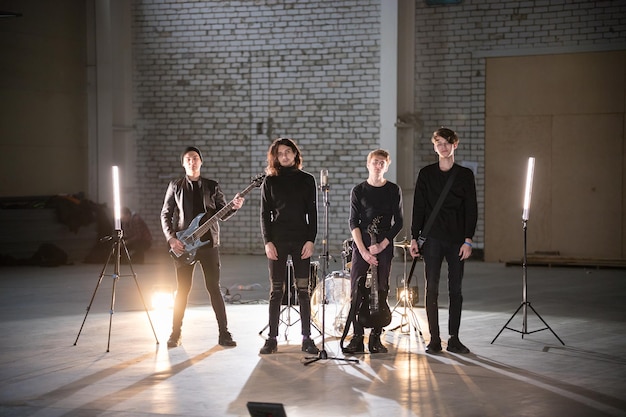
45, 374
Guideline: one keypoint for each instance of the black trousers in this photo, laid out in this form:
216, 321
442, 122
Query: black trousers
434, 252
209, 260
278, 278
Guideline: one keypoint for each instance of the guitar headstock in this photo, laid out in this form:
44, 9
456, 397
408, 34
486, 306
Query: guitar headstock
372, 229
258, 180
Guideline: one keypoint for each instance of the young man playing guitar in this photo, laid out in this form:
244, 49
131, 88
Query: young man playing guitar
185, 199
374, 202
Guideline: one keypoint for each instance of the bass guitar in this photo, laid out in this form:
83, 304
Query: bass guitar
374, 311
192, 236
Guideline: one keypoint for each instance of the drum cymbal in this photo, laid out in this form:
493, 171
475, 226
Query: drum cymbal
404, 244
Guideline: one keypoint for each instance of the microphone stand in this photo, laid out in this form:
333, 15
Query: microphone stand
322, 354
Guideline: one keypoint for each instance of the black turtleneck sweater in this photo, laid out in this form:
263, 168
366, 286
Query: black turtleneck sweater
289, 206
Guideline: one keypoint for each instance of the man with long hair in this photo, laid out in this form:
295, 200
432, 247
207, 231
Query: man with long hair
289, 228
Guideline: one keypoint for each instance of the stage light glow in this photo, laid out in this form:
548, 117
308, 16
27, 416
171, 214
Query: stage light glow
117, 211
529, 187
162, 298
408, 297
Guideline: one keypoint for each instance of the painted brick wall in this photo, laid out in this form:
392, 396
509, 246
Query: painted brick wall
230, 76
451, 45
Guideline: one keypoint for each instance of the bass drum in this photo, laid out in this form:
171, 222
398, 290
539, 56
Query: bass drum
335, 315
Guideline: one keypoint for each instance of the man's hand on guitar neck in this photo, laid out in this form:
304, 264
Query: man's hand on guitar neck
237, 202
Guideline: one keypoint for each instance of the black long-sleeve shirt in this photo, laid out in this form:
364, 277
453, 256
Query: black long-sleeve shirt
368, 202
458, 214
289, 206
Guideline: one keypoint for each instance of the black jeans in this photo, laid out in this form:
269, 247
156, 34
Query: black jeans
278, 279
209, 260
434, 252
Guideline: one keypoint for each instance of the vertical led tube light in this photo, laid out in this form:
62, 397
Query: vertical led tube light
529, 187
117, 211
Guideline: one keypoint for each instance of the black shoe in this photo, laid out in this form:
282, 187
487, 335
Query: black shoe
455, 345
174, 341
355, 345
375, 345
226, 339
434, 347
270, 346
308, 346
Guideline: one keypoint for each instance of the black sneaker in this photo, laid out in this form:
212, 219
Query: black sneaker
434, 347
174, 341
308, 346
355, 345
226, 339
270, 346
455, 345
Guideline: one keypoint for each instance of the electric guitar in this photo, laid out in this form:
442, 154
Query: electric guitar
374, 311
192, 236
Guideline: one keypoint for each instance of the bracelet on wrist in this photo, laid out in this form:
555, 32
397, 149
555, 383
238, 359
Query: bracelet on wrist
468, 244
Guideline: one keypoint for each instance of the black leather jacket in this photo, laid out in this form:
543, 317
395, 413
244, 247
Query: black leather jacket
177, 214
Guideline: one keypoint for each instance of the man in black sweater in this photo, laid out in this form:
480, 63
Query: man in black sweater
289, 228
450, 236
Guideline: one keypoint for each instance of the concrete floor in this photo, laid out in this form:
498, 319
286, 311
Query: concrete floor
43, 373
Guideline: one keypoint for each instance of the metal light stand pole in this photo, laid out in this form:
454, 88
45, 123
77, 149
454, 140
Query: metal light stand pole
525, 303
325, 261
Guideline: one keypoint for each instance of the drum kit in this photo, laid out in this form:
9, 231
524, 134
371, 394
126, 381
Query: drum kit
338, 297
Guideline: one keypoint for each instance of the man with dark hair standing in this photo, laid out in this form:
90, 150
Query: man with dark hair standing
185, 199
289, 228
450, 236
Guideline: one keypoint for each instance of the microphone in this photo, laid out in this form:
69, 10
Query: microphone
324, 178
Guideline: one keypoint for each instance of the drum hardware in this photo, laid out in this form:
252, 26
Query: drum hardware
407, 296
290, 300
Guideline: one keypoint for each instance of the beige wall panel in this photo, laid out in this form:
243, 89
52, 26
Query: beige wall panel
556, 84
510, 142
568, 112
587, 185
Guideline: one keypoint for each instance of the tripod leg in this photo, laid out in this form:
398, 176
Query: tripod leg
507, 323
93, 296
145, 307
544, 322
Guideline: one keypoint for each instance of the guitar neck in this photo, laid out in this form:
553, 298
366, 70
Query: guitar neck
220, 214
374, 270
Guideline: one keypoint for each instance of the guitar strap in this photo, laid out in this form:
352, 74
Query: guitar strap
439, 203
354, 307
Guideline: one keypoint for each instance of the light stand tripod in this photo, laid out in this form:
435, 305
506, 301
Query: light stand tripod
326, 258
525, 303
118, 245
407, 317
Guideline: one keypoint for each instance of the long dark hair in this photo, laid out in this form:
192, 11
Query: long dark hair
273, 165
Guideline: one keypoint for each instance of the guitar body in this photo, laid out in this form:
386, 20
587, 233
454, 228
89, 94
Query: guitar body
196, 234
191, 241
368, 317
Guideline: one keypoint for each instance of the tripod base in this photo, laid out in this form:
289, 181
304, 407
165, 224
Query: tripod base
524, 326
408, 320
323, 355
287, 321
117, 247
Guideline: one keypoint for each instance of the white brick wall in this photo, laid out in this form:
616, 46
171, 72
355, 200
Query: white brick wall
210, 73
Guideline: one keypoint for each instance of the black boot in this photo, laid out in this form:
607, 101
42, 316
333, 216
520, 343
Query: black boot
355, 345
374, 344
